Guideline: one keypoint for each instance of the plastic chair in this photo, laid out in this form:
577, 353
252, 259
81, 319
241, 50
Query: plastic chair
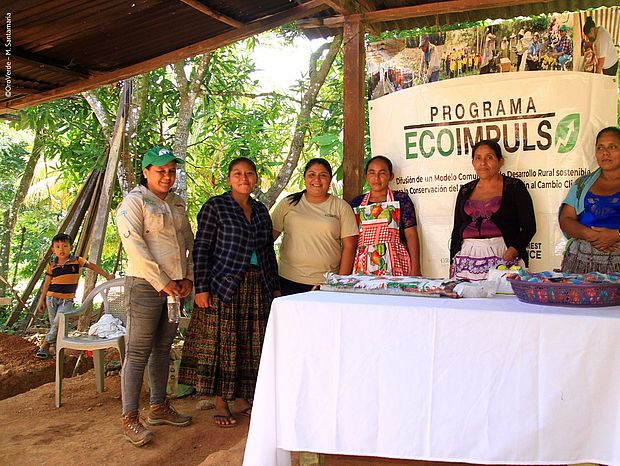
113, 294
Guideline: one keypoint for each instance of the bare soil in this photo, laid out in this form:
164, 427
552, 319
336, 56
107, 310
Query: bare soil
86, 429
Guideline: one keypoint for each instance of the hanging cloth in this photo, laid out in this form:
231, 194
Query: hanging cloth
379, 249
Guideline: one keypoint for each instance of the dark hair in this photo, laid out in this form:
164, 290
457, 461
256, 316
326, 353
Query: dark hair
294, 198
62, 238
381, 158
589, 24
495, 147
239, 160
143, 181
614, 130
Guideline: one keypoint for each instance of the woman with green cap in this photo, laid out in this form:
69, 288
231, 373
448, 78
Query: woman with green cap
157, 236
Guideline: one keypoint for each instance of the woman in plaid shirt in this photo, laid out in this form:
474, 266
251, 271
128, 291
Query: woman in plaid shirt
236, 277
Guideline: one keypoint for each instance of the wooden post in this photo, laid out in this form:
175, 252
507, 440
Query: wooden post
105, 198
354, 108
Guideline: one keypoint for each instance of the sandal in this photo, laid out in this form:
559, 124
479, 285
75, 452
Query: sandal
42, 353
247, 412
224, 421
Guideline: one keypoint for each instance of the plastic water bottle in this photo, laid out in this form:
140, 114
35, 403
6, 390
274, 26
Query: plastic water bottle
174, 309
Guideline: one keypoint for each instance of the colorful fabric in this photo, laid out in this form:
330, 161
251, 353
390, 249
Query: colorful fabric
478, 256
379, 250
515, 217
481, 211
407, 212
577, 193
224, 244
64, 278
601, 211
581, 257
222, 350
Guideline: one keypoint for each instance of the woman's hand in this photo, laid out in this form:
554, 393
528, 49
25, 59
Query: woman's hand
203, 300
172, 288
605, 239
511, 254
185, 287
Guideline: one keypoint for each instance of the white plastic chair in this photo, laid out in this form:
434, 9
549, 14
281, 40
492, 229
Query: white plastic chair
113, 294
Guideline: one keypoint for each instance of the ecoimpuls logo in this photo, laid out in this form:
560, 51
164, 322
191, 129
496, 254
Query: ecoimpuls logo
514, 123
567, 133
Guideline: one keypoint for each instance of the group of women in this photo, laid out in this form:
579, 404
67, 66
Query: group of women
235, 275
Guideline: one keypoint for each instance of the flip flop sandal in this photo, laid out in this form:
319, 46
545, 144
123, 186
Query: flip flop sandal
247, 412
223, 417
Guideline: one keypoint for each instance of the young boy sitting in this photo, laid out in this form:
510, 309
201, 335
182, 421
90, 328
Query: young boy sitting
61, 281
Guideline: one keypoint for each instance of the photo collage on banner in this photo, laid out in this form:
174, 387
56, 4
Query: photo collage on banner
544, 42
546, 131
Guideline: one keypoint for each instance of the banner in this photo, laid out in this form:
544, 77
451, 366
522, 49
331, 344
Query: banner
545, 122
543, 42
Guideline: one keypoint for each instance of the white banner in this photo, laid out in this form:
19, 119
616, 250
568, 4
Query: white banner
546, 123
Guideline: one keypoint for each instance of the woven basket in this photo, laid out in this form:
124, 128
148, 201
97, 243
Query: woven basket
564, 294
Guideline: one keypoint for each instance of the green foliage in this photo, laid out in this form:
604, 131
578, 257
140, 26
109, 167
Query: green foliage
233, 117
13, 158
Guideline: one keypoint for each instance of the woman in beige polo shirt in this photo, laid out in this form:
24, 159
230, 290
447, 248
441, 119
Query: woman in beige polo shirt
320, 232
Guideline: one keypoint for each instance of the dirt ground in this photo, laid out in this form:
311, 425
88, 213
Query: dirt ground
86, 429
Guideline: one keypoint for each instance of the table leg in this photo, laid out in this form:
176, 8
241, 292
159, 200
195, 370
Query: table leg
305, 458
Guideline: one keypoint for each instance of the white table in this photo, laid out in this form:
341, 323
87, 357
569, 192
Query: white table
472, 380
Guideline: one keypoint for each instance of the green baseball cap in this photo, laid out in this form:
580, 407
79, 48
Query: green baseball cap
563, 27
159, 156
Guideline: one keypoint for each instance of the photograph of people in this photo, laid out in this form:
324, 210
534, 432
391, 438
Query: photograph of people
391, 217
590, 214
494, 218
319, 232
603, 47
236, 280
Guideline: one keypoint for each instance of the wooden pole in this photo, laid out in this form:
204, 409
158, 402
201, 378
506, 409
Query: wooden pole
105, 198
71, 226
80, 201
354, 109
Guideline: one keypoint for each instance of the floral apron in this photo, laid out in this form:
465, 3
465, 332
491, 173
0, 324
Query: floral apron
379, 249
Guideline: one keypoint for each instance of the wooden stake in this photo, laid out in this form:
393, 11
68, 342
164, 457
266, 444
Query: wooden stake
105, 199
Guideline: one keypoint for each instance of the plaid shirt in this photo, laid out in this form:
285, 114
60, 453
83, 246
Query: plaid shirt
224, 244
565, 45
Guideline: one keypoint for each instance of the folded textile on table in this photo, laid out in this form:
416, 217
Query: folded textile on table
411, 286
108, 326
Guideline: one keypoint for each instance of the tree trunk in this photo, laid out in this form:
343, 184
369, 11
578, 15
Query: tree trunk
125, 172
308, 101
10, 216
189, 91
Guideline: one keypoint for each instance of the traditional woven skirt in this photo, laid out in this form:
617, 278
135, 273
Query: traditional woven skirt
581, 257
222, 350
477, 256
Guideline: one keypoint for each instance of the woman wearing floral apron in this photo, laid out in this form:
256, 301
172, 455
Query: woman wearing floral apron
388, 243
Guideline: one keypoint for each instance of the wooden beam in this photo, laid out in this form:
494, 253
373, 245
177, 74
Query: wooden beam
255, 27
213, 13
353, 7
428, 9
354, 114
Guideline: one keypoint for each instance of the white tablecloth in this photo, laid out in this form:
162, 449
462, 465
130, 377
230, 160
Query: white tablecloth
474, 380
